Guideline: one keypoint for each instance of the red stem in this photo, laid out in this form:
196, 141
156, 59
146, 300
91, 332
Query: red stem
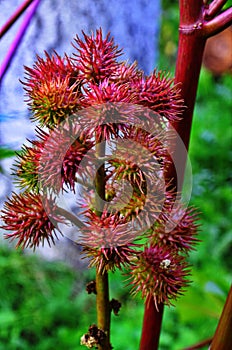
14, 46
219, 23
190, 52
214, 7
151, 326
192, 38
200, 345
223, 336
14, 17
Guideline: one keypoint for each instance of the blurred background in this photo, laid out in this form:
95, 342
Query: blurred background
43, 303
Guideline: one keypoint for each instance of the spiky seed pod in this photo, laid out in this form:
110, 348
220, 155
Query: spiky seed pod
126, 73
122, 169
133, 207
160, 94
135, 163
155, 141
159, 273
107, 91
24, 214
26, 165
109, 103
62, 155
110, 191
140, 209
96, 58
178, 231
140, 168
51, 66
53, 89
107, 242
107, 119
109, 258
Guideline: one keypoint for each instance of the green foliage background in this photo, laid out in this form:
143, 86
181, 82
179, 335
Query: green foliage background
43, 305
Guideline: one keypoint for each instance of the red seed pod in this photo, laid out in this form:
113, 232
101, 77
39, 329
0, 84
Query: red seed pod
24, 214
159, 273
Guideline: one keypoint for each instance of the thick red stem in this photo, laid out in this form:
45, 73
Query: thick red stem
190, 52
151, 326
193, 32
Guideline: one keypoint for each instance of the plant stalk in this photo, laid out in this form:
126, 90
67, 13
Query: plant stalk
190, 53
151, 325
102, 282
194, 29
223, 336
103, 307
188, 65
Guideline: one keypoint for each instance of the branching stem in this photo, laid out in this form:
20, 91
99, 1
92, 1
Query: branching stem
218, 23
69, 216
214, 7
200, 345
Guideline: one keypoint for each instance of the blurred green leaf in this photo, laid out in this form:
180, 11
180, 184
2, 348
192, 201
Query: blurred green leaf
6, 153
